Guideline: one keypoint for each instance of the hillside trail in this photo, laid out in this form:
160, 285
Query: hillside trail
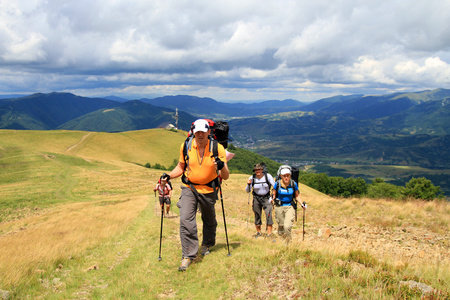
79, 144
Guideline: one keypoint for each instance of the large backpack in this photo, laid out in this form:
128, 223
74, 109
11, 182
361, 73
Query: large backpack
220, 130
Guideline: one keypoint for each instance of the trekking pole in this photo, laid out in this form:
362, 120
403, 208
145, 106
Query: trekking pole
224, 221
156, 208
160, 232
304, 210
295, 210
248, 209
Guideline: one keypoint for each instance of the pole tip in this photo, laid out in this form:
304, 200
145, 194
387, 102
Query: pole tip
159, 258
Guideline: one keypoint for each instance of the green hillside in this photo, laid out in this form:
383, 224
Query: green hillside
47, 111
132, 115
153, 145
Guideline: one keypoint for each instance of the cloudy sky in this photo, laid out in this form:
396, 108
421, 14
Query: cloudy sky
226, 50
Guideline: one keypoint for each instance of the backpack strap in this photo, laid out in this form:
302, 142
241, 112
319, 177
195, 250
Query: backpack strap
213, 147
278, 187
267, 180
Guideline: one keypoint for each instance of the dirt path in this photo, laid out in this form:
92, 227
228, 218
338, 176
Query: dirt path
78, 144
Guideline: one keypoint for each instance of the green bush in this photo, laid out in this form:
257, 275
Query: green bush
335, 186
380, 189
158, 167
422, 188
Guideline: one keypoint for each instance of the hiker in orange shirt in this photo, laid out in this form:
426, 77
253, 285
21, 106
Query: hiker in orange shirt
201, 171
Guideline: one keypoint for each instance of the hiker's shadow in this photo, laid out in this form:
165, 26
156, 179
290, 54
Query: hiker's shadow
233, 246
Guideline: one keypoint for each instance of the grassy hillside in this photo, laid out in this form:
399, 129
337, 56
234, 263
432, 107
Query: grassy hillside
79, 221
153, 145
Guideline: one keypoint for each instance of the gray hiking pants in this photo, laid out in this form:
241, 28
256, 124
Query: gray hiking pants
188, 224
260, 203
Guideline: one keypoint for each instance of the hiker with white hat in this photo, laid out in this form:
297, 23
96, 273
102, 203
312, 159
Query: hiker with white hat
285, 192
201, 168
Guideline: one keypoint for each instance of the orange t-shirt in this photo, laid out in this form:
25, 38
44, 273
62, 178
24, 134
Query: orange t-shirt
201, 171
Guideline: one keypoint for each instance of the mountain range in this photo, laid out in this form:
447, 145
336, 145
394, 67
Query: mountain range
399, 128
67, 111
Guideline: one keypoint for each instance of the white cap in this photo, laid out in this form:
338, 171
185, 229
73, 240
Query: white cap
285, 171
201, 125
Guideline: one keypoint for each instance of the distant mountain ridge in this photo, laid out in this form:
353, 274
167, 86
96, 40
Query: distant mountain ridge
47, 111
208, 107
71, 112
399, 128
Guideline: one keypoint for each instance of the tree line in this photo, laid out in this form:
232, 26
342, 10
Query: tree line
417, 188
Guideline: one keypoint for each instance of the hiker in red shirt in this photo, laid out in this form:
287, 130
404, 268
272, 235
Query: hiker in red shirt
165, 193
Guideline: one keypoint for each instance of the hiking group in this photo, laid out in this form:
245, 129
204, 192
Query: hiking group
202, 165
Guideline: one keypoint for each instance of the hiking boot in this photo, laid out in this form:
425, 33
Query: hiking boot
205, 250
185, 262
257, 235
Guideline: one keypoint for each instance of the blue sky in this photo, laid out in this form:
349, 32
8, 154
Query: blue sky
227, 50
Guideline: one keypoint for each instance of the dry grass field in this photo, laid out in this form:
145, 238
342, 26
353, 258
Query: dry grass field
78, 220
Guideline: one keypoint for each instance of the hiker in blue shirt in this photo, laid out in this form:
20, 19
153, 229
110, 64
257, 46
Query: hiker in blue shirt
284, 192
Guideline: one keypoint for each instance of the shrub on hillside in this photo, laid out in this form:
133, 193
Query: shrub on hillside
354, 187
158, 167
422, 188
379, 189
335, 186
